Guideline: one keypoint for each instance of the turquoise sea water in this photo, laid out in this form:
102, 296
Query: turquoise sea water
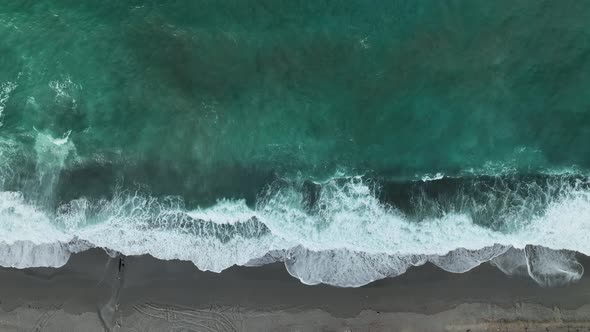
380, 134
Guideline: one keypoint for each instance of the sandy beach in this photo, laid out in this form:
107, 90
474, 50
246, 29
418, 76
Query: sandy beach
95, 292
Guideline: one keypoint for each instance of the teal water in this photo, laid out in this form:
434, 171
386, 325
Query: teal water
132, 114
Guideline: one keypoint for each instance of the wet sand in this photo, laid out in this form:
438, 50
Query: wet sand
95, 292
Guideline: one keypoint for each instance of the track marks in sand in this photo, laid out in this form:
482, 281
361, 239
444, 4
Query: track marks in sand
189, 319
44, 318
523, 326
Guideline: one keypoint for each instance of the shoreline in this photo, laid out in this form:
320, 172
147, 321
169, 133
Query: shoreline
94, 292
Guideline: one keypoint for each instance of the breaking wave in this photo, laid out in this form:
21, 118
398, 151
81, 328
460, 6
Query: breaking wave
343, 231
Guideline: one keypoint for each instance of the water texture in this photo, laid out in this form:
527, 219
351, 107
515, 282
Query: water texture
350, 140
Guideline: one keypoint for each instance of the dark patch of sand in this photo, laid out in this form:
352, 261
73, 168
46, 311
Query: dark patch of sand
94, 292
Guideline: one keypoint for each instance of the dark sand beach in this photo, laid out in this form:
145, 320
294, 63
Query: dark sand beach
95, 292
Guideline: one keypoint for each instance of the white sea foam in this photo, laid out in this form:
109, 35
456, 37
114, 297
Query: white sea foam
352, 239
5, 91
23, 254
550, 268
430, 177
8, 149
28, 237
65, 88
351, 217
51, 154
224, 212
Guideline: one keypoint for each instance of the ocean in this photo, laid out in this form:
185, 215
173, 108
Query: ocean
349, 140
